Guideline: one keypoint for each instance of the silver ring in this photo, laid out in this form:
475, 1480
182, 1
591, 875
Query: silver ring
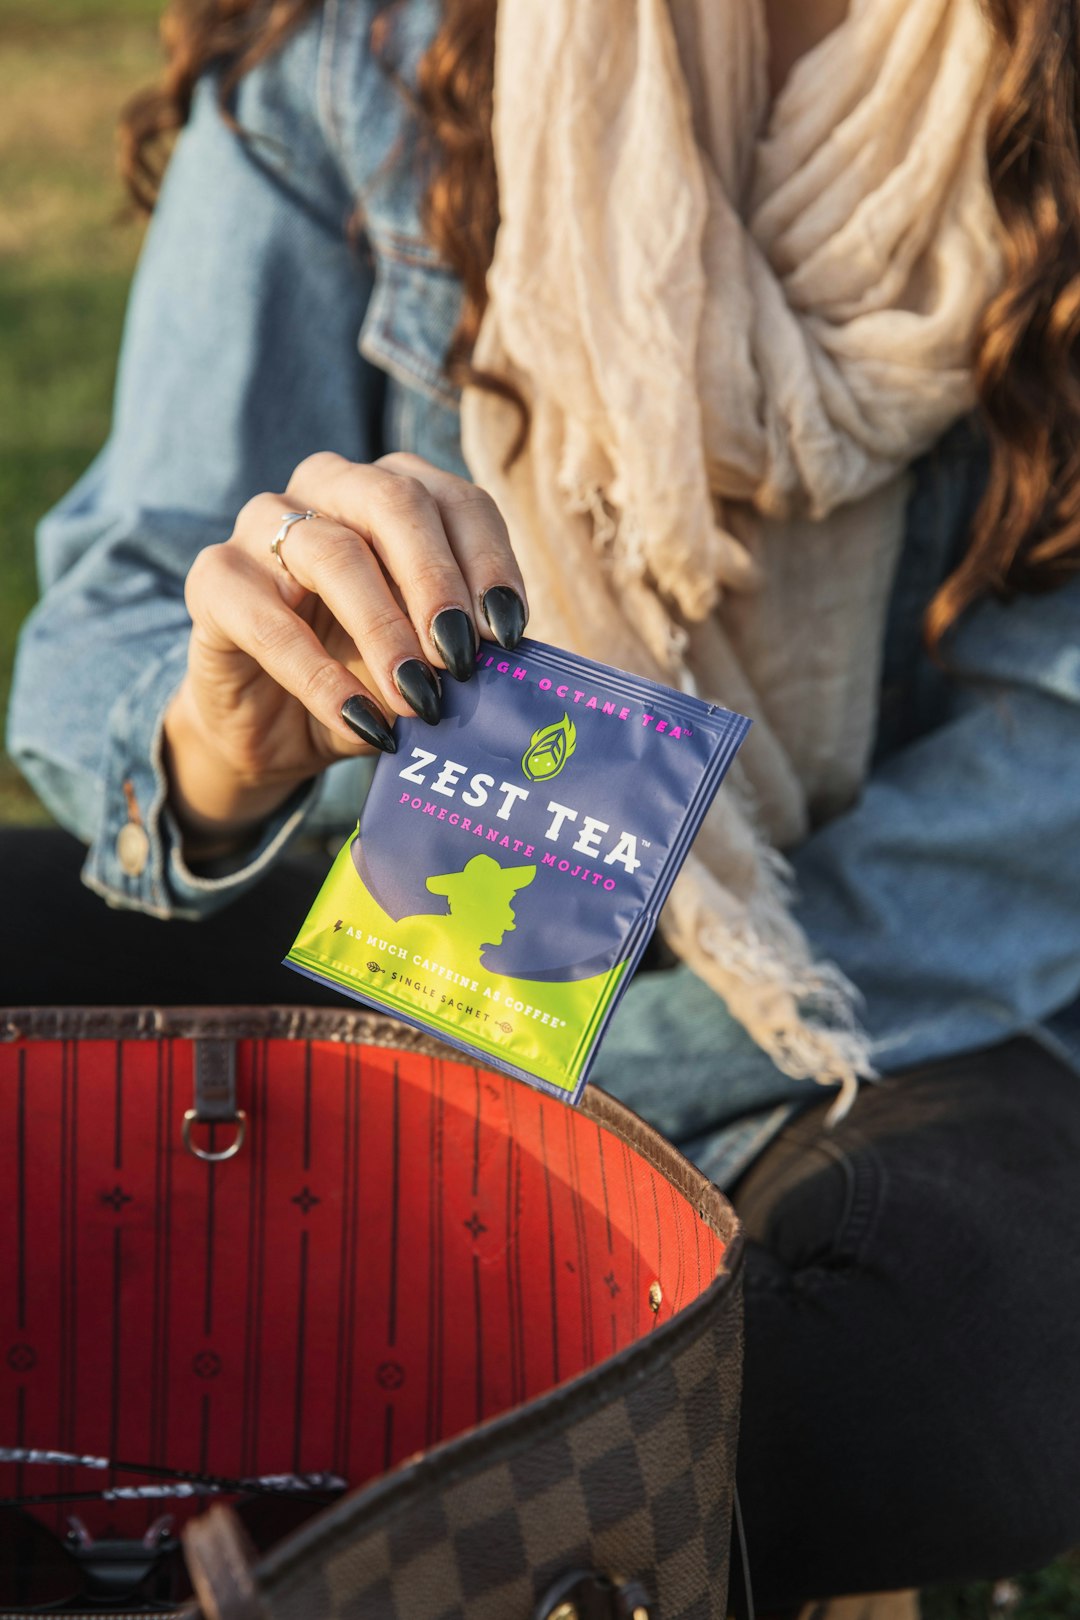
287, 521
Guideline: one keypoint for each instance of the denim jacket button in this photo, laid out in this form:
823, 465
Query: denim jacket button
132, 848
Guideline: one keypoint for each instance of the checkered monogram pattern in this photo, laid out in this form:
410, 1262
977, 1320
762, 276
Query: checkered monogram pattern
639, 1484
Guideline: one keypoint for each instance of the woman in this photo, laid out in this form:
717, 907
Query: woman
753, 268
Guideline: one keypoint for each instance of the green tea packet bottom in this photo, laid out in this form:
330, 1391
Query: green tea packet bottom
510, 863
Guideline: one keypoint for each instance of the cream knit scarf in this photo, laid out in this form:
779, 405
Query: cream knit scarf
736, 326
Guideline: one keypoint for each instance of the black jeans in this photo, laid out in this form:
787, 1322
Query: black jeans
912, 1399
911, 1411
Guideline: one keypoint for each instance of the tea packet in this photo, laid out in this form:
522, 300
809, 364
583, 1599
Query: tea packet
511, 862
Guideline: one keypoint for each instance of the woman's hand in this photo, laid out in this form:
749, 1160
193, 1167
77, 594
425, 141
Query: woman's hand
290, 668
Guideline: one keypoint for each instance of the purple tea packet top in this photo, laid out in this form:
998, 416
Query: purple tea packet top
510, 863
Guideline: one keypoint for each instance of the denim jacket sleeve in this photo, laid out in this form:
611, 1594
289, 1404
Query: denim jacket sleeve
239, 358
949, 893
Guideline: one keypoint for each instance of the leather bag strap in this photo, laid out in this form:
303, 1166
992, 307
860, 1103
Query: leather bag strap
214, 1101
219, 1559
214, 1064
740, 1592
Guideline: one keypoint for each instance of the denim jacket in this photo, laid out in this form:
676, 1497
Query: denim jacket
259, 331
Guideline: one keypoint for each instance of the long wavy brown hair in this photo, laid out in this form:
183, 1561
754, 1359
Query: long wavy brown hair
1026, 533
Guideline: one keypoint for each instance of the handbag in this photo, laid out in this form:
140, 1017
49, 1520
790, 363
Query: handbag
376, 1334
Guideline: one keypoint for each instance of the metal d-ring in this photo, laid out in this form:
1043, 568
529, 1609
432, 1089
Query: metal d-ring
239, 1119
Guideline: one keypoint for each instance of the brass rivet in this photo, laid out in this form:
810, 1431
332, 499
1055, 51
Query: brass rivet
566, 1611
132, 848
656, 1297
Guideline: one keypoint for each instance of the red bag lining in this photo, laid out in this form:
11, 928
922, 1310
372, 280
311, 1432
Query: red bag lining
402, 1249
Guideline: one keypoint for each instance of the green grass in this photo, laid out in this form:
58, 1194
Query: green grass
1052, 1594
58, 336
67, 245
44, 17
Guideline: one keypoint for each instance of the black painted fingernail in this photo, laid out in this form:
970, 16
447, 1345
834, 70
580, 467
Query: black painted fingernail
417, 684
453, 634
367, 722
505, 613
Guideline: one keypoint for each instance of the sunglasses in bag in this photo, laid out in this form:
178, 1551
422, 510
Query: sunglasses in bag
392, 1335
47, 1571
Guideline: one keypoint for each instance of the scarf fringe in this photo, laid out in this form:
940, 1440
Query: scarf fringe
802, 1012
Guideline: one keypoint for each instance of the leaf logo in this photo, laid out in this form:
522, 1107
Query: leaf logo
549, 750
